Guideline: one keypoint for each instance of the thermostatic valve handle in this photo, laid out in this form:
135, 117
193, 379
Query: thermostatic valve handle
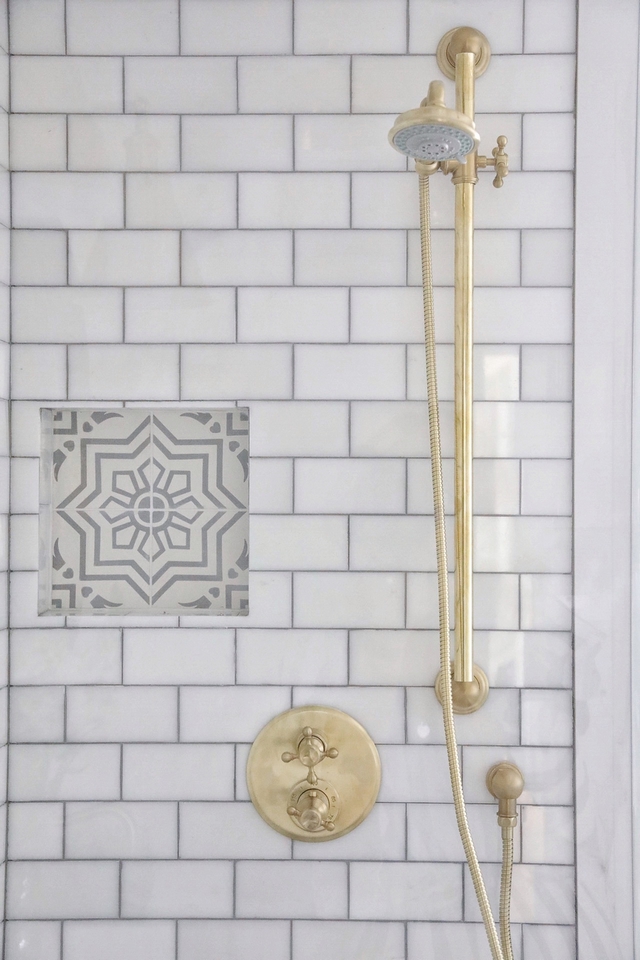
312, 750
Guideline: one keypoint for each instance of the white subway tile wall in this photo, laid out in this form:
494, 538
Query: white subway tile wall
206, 210
5, 448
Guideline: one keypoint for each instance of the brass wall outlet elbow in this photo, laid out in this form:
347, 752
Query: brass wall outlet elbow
505, 782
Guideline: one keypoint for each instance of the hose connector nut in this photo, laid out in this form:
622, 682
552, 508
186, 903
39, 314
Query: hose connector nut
505, 782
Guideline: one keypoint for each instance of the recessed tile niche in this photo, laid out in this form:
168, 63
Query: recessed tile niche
144, 511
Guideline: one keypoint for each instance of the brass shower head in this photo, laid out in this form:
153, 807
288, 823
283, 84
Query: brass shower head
432, 131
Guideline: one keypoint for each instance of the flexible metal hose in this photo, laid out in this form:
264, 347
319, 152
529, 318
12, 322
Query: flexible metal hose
505, 892
443, 586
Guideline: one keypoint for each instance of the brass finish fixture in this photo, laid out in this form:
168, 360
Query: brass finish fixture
467, 697
463, 40
313, 809
505, 782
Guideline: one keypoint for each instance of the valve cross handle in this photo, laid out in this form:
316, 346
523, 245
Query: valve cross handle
312, 750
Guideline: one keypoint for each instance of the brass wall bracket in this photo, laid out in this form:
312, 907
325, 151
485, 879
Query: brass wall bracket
467, 697
463, 40
313, 809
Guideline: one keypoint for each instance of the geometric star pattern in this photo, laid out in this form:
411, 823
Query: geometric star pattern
144, 511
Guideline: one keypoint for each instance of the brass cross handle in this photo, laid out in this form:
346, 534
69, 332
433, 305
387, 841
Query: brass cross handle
312, 750
500, 162
312, 811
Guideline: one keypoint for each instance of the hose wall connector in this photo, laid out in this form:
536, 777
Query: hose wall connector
505, 782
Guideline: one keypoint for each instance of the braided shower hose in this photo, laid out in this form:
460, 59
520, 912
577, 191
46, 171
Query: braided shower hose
497, 952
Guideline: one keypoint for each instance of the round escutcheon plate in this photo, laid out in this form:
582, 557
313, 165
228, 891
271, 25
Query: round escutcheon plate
353, 772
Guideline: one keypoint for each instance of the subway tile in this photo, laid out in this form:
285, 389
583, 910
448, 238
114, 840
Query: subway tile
548, 141
184, 771
547, 772
390, 201
547, 258
35, 831
228, 714
349, 486
272, 485
177, 889
392, 543
406, 891
112, 371
451, 939
180, 85
380, 837
60, 890
524, 315
361, 26
497, 258
379, 710
228, 143
39, 257
64, 772
540, 892
293, 200
23, 586
430, 19
523, 430
37, 26
547, 718
496, 486
39, 371
535, 200
260, 939
493, 125
181, 200
433, 832
66, 84
542, 83
197, 315
499, 722
348, 600
237, 257
294, 84
414, 774
545, 940
395, 657
123, 258
23, 542
125, 939
297, 314
124, 143
392, 429
547, 487
270, 604
222, 26
228, 831
341, 257
300, 429
547, 834
291, 890
299, 543
345, 143
391, 314
292, 656
349, 939
531, 659
25, 485
549, 26
122, 27
121, 831
66, 315
391, 85
38, 142
121, 713
546, 601
522, 544
178, 656
32, 940
260, 371
547, 372
37, 714
495, 608
69, 200
349, 372
63, 657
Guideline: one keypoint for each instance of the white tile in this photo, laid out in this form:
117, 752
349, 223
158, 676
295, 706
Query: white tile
348, 600
430, 19
270, 603
541, 83
390, 200
52, 890
547, 772
350, 940
543, 940
522, 430
38, 142
292, 656
299, 543
300, 429
496, 486
497, 258
392, 429
39, 256
122, 26
24, 485
549, 26
349, 486
495, 601
23, 542
121, 713
132, 371
123, 257
345, 143
272, 485
379, 710
392, 84
37, 714
65, 772
299, 314
124, 143
23, 586
452, 939
360, 26
547, 372
189, 315
37, 26
69, 200
178, 656
546, 602
180, 85
228, 714
522, 544
390, 314
291, 890
380, 837
39, 372
35, 831
499, 722
547, 718
492, 125
181, 200
496, 372
125, 939
393, 656
184, 771
534, 200
59, 656
350, 372
524, 315
547, 834
528, 659
66, 84
548, 141
228, 143
547, 487
293, 84
353, 257
433, 832
261, 939
547, 258
392, 543
293, 200
414, 774
223, 26
406, 891
71, 314
32, 940
228, 831
540, 893
261, 371
177, 889
115, 831
237, 257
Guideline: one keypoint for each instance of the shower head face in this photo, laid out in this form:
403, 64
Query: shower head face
433, 133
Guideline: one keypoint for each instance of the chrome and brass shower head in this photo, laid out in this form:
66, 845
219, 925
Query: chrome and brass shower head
433, 132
